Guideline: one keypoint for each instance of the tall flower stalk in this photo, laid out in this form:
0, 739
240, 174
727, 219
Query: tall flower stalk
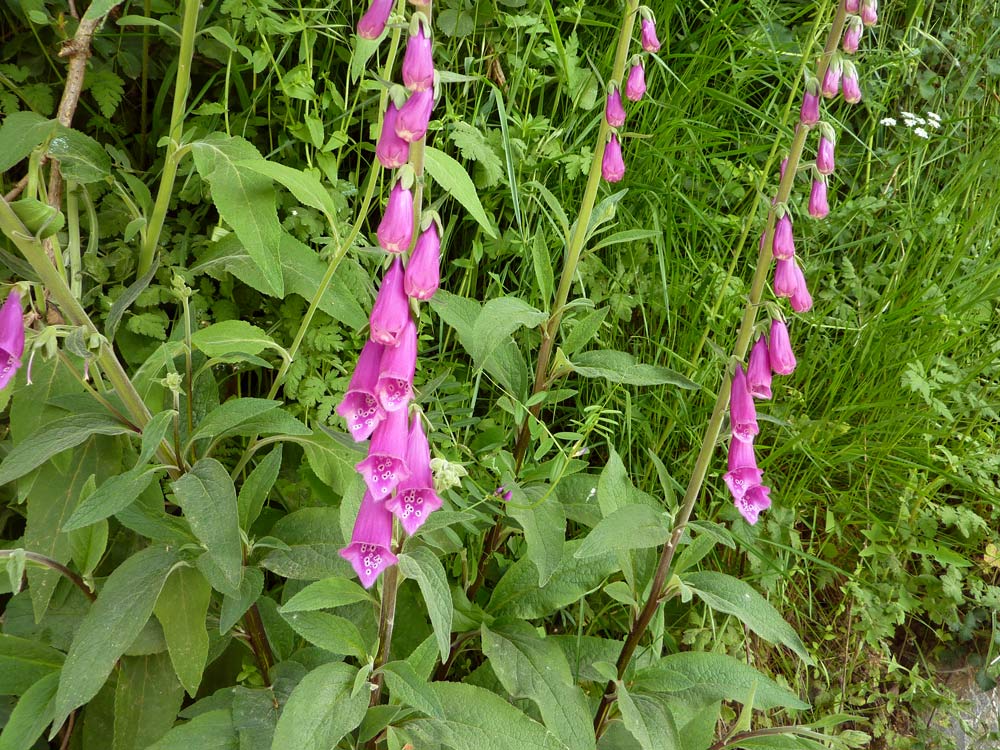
758, 498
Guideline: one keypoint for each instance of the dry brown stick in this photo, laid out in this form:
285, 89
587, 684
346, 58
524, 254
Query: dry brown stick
17, 189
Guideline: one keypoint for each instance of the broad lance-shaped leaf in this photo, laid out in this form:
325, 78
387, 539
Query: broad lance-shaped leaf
544, 524
232, 336
147, 699
53, 438
232, 414
453, 178
532, 667
31, 715
114, 495
181, 610
321, 709
422, 565
326, 594
24, 662
255, 488
338, 635
634, 526
113, 622
621, 367
476, 718
714, 677
498, 319
245, 200
726, 594
649, 720
212, 730
304, 186
208, 498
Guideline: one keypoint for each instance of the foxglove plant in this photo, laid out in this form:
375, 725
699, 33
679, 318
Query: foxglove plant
647, 27
372, 23
759, 370
415, 498
370, 551
423, 272
411, 123
391, 150
612, 163
819, 206
360, 406
391, 311
394, 387
635, 84
850, 85
385, 466
418, 62
395, 232
614, 111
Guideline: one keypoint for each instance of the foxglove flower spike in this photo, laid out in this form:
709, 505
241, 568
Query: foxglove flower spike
385, 467
415, 499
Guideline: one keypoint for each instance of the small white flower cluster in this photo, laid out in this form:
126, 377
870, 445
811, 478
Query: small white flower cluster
915, 122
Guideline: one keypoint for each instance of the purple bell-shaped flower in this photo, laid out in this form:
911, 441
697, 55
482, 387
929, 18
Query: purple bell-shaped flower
415, 497
612, 164
395, 232
385, 467
423, 272
742, 413
614, 111
418, 62
743, 472
411, 125
756, 500
391, 310
779, 349
11, 338
370, 550
394, 388
759, 370
372, 23
635, 84
391, 150
360, 406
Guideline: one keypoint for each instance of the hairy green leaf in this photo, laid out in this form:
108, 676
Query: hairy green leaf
321, 709
422, 565
181, 609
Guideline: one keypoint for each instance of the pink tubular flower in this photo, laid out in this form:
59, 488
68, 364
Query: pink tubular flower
418, 62
825, 163
779, 349
785, 280
869, 12
395, 232
415, 498
851, 6
743, 472
783, 245
613, 165
385, 467
635, 84
851, 87
423, 272
359, 406
831, 79
852, 35
394, 388
819, 207
11, 338
809, 113
647, 35
370, 550
414, 115
801, 301
614, 112
759, 370
372, 23
391, 310
391, 150
742, 414
756, 499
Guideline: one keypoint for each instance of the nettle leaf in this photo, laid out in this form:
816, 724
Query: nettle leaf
245, 200
321, 709
54, 438
715, 677
621, 367
476, 718
532, 667
112, 624
208, 498
181, 609
649, 720
422, 565
726, 594
455, 181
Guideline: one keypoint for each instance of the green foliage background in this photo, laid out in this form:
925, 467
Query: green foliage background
881, 548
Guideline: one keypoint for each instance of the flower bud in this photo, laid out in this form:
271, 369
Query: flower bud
831, 79
759, 370
779, 349
372, 23
423, 272
783, 244
869, 12
614, 112
418, 61
391, 311
411, 125
742, 413
850, 86
395, 232
647, 35
852, 35
819, 207
391, 150
635, 85
801, 301
785, 280
613, 165
824, 156
851, 6
809, 113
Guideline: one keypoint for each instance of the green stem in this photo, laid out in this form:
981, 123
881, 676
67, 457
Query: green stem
171, 159
48, 562
572, 259
658, 589
56, 285
74, 246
